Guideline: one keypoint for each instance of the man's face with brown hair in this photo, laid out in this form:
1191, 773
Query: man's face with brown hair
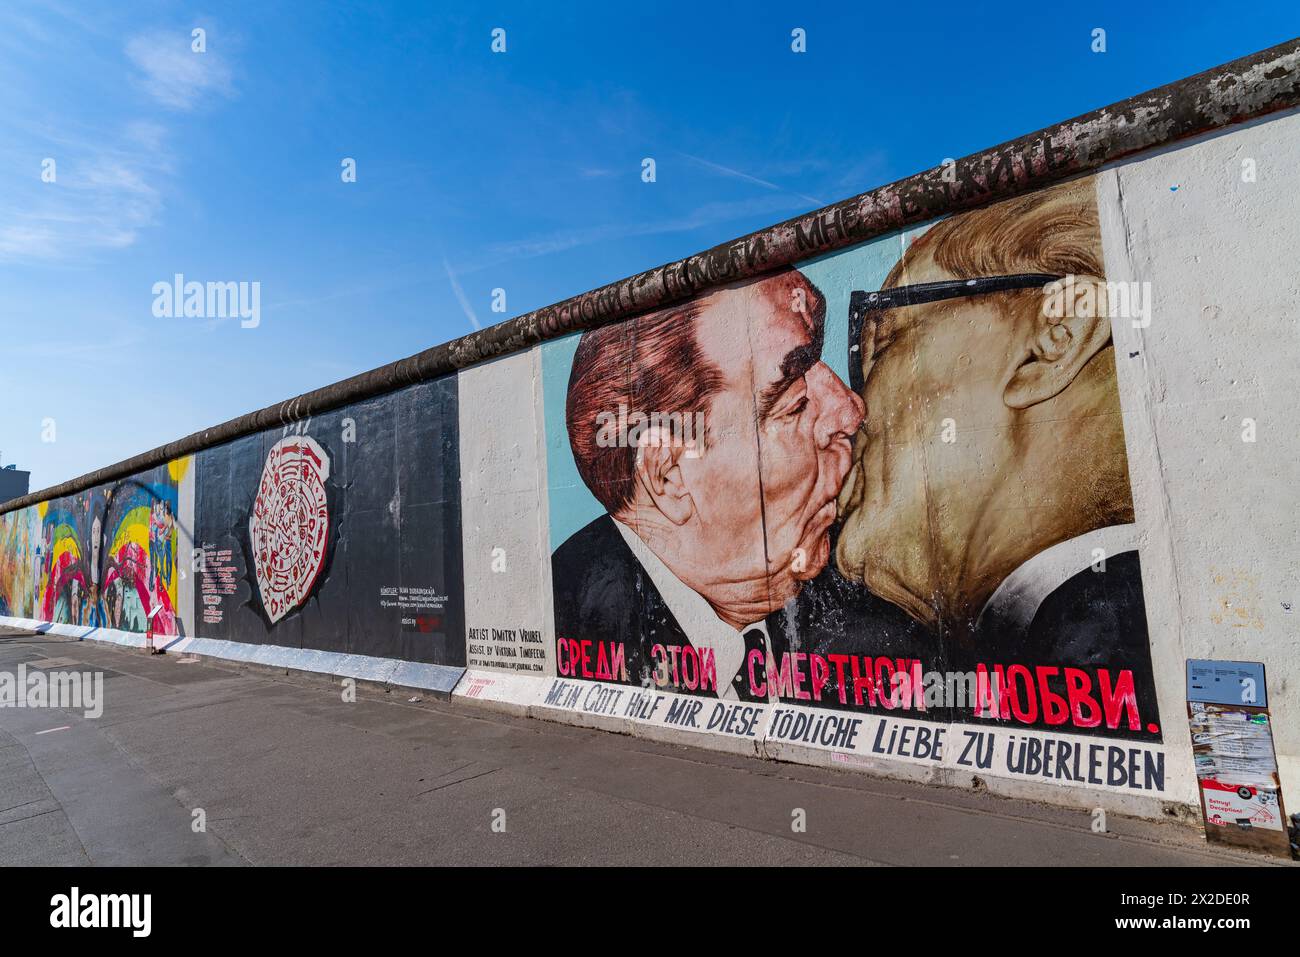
748, 519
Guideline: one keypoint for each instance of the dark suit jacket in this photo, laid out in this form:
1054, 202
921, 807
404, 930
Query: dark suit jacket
1092, 620
602, 594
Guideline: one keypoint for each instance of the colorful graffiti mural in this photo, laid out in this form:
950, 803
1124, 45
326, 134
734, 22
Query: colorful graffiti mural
19, 562
105, 558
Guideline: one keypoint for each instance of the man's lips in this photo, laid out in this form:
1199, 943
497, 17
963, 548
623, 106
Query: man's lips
814, 544
820, 520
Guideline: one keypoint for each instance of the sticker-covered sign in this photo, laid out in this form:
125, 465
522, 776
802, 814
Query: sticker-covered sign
1232, 749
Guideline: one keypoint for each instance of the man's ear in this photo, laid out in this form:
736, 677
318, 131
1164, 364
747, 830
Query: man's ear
658, 470
1070, 326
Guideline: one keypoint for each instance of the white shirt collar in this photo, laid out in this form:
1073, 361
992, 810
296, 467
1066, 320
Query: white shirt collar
1016, 600
696, 616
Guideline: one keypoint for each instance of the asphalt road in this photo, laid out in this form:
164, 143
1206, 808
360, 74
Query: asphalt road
280, 770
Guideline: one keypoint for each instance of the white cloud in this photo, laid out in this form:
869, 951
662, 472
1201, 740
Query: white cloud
112, 173
146, 135
173, 74
104, 192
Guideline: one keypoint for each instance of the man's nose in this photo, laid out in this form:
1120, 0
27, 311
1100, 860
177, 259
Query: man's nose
840, 411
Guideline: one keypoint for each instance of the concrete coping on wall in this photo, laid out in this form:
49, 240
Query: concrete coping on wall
1242, 90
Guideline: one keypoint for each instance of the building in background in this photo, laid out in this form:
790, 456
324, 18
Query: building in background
13, 483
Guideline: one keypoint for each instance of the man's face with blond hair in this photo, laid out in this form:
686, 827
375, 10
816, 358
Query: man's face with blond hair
992, 427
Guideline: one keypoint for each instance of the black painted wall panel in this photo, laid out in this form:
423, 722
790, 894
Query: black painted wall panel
386, 579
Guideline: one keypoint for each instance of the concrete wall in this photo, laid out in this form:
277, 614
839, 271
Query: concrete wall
863, 522
1073, 479
341, 535
1210, 394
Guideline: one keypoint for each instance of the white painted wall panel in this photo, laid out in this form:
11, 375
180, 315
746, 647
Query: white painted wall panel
1219, 514
504, 515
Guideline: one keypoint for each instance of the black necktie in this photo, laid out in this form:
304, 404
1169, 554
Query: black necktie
755, 640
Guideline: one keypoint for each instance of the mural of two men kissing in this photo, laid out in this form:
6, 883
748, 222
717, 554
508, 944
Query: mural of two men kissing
903, 459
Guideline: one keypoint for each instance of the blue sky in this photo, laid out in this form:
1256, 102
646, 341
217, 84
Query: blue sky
475, 170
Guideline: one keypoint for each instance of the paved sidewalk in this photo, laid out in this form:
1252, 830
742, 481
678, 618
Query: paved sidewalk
285, 772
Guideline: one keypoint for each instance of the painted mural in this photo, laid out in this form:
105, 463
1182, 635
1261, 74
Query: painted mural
288, 530
19, 562
340, 533
104, 558
890, 481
